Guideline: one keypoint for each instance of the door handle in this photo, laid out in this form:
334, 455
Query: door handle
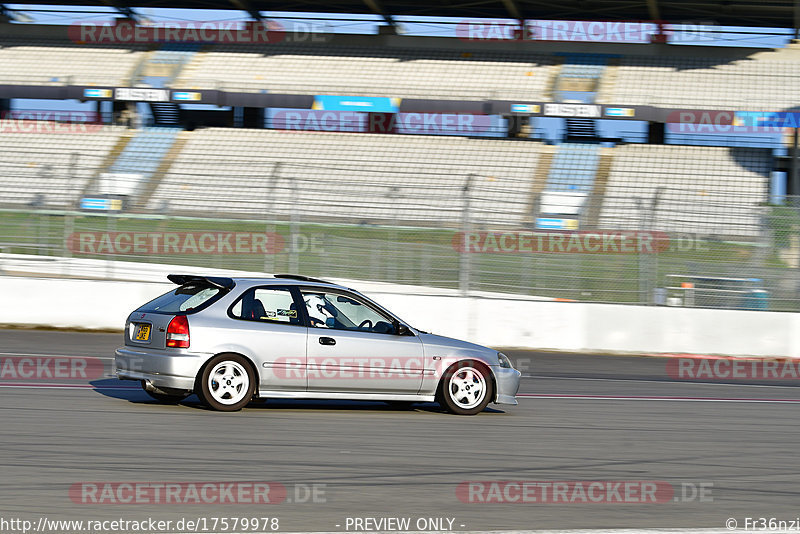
327, 341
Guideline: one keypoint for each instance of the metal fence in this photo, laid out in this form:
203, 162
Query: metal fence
463, 230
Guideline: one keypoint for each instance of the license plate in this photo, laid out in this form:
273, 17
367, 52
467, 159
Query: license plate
142, 332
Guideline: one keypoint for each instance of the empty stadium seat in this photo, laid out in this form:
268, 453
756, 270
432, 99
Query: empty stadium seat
357, 177
50, 62
369, 71
754, 83
52, 166
708, 190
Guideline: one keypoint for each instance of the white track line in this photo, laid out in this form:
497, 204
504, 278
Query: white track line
651, 398
45, 385
519, 396
671, 381
55, 355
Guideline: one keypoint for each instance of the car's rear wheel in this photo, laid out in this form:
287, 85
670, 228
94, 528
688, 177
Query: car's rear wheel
466, 388
165, 395
227, 382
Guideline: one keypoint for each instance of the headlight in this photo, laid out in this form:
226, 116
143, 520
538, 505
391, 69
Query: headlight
504, 361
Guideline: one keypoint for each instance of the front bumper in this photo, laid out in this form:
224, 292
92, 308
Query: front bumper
507, 385
162, 368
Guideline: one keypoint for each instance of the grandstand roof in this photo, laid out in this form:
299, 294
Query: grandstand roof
754, 13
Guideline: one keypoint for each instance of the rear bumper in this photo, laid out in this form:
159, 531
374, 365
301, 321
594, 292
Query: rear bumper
161, 368
507, 385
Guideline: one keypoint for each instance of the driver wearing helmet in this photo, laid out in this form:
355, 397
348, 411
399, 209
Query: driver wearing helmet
319, 310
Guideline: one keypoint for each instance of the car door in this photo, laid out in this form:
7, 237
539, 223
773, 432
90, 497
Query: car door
270, 326
354, 347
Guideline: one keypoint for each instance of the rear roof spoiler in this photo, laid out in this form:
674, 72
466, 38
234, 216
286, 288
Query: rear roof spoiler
302, 278
215, 281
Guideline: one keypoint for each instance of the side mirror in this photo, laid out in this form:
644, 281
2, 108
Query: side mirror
401, 329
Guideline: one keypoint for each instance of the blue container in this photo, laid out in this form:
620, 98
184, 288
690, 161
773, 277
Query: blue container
757, 299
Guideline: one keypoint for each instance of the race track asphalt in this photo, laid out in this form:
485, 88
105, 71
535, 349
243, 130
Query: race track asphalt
580, 417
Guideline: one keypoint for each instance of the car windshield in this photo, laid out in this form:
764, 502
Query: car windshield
186, 298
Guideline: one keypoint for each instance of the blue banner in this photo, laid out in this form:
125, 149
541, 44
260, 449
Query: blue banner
104, 204
525, 108
556, 224
185, 95
97, 93
376, 104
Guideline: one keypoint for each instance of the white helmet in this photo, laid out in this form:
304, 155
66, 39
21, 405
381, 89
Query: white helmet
318, 310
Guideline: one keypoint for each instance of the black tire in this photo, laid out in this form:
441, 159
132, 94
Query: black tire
466, 388
166, 395
227, 383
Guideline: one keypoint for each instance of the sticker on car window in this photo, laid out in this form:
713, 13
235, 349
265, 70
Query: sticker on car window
287, 313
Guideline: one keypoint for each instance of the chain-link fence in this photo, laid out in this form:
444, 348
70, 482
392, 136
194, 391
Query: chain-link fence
472, 231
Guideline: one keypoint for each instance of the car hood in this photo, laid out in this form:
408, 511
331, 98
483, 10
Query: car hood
443, 346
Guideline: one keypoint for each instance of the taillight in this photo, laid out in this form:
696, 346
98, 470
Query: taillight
178, 332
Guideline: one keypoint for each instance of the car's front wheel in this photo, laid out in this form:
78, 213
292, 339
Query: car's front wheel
227, 382
466, 388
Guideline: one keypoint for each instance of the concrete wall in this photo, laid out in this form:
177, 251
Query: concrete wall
92, 304
582, 327
103, 304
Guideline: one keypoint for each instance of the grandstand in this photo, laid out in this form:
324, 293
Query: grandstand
60, 62
707, 190
370, 71
227, 162
765, 81
758, 80
52, 170
342, 176
414, 180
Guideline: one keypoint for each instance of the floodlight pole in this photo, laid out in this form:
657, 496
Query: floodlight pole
794, 174
796, 19
466, 228
293, 225
270, 216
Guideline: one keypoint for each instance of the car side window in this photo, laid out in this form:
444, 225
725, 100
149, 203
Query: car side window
267, 304
344, 312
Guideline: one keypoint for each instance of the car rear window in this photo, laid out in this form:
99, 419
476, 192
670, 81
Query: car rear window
186, 298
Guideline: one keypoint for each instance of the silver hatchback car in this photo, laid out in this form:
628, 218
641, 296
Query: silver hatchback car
230, 340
